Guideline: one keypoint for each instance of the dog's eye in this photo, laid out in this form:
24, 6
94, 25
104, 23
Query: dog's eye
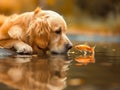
58, 31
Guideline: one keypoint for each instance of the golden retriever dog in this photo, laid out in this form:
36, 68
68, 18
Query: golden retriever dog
36, 31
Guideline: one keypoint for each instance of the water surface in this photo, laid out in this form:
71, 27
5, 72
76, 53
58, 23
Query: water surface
62, 72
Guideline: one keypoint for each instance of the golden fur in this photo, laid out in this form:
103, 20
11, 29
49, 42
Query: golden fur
34, 31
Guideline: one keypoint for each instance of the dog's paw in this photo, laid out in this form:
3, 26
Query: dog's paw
24, 48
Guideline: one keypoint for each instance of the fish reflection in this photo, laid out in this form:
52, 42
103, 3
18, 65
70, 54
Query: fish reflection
33, 73
84, 60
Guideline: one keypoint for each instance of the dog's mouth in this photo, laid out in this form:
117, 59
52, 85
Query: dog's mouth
64, 50
59, 52
53, 52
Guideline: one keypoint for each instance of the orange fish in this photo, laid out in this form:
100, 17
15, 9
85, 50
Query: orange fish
85, 47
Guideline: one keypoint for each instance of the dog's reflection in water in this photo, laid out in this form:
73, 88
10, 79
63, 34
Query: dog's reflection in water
34, 74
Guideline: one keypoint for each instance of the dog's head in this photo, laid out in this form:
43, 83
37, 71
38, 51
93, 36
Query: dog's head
49, 30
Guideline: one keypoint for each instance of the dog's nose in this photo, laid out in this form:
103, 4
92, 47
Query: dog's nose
69, 46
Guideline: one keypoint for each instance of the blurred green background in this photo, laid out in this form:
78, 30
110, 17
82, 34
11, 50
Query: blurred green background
83, 16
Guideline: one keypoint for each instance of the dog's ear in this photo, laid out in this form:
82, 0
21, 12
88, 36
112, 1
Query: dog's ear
40, 30
43, 32
37, 10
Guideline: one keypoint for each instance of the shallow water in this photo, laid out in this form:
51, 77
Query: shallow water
63, 72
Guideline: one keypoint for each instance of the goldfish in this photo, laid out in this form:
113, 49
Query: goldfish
85, 47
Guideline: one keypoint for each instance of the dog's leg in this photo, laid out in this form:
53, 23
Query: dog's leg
20, 46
